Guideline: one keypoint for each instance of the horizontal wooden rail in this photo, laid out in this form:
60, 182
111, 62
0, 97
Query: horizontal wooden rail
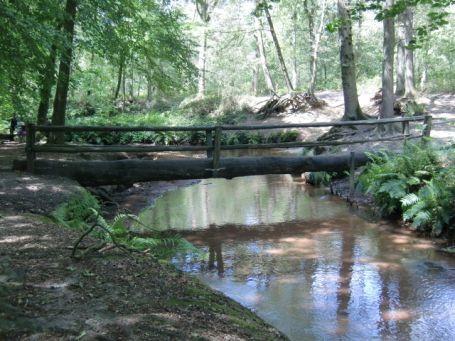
325, 124
63, 148
113, 129
49, 128
317, 144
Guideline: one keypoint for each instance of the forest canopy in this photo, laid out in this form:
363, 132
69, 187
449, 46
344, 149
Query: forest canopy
80, 57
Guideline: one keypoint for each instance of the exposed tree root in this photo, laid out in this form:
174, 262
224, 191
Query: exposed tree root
289, 103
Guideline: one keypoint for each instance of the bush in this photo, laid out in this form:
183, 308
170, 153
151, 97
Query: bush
419, 184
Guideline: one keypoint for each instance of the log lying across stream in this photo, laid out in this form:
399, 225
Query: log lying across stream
97, 173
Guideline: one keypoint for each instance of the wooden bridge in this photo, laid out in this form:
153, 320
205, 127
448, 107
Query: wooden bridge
94, 173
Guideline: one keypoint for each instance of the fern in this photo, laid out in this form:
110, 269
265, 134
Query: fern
419, 183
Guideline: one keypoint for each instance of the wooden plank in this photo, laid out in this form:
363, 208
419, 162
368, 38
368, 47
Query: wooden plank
96, 173
324, 124
209, 142
217, 150
427, 126
315, 144
113, 149
49, 128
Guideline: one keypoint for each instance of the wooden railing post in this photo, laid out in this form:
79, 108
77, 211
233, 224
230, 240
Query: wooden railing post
217, 151
352, 174
405, 127
427, 125
209, 142
29, 146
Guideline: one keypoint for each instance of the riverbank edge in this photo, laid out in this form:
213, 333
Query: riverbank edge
180, 306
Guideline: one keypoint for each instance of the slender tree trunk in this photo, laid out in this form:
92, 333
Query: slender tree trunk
315, 38
352, 109
295, 68
202, 64
401, 71
61, 93
423, 77
132, 83
387, 66
124, 88
263, 57
284, 70
409, 54
255, 83
119, 77
47, 81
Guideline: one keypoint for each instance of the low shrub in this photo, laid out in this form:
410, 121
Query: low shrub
419, 184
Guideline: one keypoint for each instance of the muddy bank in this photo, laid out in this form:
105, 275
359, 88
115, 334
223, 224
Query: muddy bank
44, 294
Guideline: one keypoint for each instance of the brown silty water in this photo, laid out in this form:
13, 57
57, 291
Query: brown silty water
308, 264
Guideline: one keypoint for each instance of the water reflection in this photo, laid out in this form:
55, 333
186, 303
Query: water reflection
312, 269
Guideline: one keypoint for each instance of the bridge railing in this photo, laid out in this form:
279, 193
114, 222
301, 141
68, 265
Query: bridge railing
213, 146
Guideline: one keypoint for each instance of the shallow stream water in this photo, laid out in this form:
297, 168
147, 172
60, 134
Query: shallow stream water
307, 263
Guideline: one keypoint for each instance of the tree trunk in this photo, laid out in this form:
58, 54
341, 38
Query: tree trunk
387, 66
255, 83
409, 54
278, 51
119, 78
315, 38
132, 83
423, 77
401, 51
47, 81
295, 68
263, 57
352, 109
97, 173
61, 93
202, 64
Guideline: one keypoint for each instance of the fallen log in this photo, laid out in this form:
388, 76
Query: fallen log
97, 173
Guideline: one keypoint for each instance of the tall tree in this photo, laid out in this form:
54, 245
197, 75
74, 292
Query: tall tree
265, 7
315, 39
401, 50
409, 52
262, 55
204, 8
352, 110
387, 65
61, 93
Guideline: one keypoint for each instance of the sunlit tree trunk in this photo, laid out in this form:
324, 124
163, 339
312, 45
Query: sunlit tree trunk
47, 81
401, 71
295, 68
315, 38
352, 109
202, 64
61, 93
255, 83
263, 57
278, 50
204, 8
409, 54
387, 66
119, 77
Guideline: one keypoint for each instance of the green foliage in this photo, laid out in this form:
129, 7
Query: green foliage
77, 212
419, 184
321, 178
83, 211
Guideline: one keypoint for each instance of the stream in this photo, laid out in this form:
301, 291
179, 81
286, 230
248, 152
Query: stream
309, 264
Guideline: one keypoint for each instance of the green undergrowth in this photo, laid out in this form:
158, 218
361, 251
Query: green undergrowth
174, 118
418, 184
82, 212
